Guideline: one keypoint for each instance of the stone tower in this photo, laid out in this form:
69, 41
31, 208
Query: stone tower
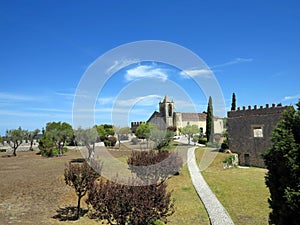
166, 108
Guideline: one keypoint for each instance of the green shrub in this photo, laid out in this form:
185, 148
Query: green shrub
229, 160
224, 145
55, 150
50, 152
110, 141
2, 150
47, 152
202, 141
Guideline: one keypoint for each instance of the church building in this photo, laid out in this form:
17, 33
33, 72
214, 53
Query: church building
167, 117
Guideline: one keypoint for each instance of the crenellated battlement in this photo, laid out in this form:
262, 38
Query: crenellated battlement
135, 125
250, 130
255, 110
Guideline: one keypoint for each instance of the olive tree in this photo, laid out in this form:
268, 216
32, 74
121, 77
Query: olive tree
143, 131
30, 136
121, 132
14, 138
190, 130
88, 138
59, 133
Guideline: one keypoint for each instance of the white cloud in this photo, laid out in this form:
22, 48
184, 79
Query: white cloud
292, 97
147, 100
15, 97
146, 71
49, 110
106, 100
73, 95
204, 73
23, 114
65, 94
120, 64
234, 61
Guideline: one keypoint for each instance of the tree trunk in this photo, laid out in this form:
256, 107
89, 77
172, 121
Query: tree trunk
78, 207
91, 151
31, 148
15, 149
60, 149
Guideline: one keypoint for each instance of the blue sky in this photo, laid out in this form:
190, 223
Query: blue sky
252, 47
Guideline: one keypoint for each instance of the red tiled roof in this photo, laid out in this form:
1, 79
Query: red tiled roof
193, 116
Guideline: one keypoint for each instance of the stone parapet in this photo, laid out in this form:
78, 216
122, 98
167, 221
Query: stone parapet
256, 111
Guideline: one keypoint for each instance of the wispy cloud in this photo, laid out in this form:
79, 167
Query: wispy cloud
207, 73
15, 97
291, 97
105, 100
23, 114
147, 100
232, 62
49, 110
204, 73
146, 71
119, 64
65, 94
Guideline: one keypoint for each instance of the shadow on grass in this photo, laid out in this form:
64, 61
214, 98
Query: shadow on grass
7, 156
68, 213
78, 160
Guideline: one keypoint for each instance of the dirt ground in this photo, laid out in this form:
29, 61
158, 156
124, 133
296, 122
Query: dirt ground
32, 187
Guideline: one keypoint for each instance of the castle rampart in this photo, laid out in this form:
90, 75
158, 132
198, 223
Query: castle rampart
250, 130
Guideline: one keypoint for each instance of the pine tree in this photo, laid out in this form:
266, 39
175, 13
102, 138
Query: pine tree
283, 164
210, 121
233, 103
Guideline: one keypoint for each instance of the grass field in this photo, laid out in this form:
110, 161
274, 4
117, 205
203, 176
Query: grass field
242, 191
189, 208
32, 189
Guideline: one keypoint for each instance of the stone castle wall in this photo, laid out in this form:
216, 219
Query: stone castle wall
242, 127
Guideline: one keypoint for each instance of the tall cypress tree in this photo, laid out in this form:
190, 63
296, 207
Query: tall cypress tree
233, 102
210, 121
283, 164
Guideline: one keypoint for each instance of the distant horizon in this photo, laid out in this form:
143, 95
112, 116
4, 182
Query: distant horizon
241, 108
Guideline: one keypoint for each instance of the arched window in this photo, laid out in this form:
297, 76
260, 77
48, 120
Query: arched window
170, 110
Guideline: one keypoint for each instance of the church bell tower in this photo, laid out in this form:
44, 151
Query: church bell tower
166, 109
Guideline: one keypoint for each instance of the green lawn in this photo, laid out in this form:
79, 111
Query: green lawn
188, 207
242, 191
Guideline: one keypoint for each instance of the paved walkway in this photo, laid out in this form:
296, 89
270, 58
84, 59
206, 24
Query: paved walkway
216, 212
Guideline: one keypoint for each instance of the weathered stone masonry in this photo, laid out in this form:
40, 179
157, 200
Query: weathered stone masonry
250, 131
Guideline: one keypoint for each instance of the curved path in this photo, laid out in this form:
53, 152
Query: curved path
216, 212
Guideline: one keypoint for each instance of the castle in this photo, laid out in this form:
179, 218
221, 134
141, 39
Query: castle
250, 131
167, 117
